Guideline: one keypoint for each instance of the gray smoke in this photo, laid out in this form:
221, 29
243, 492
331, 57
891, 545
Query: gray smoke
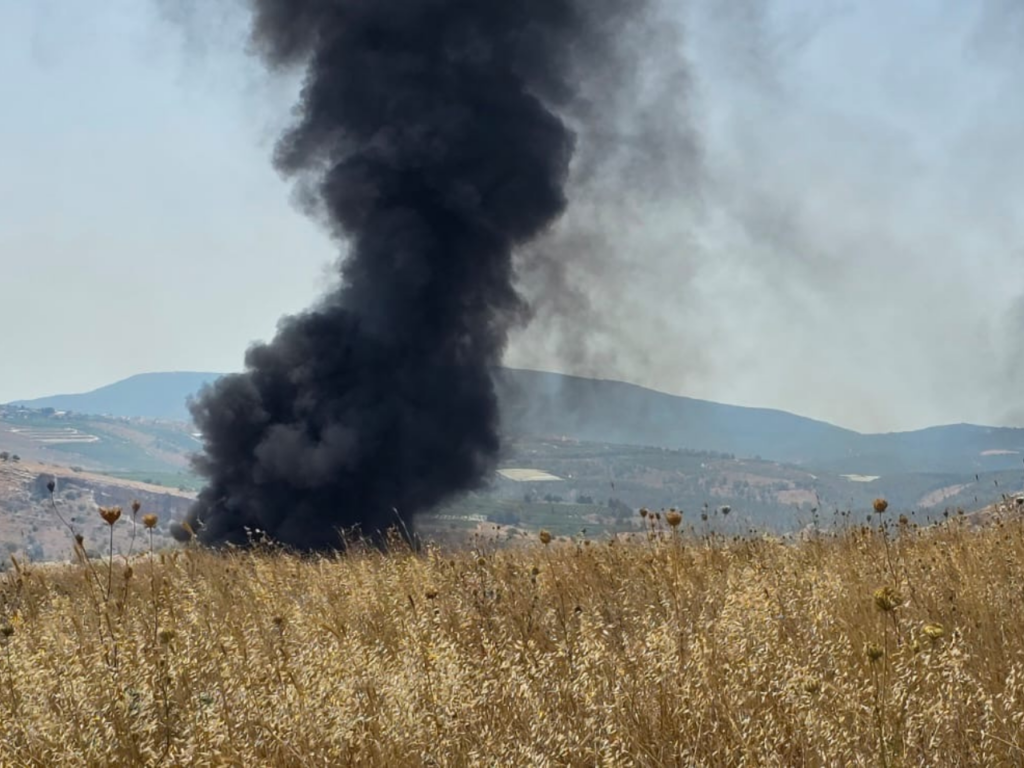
850, 249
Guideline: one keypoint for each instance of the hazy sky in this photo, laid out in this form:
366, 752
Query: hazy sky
840, 236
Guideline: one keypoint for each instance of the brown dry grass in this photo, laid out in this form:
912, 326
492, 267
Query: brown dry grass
661, 651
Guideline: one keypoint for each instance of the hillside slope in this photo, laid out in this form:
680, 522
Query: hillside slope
30, 527
543, 404
596, 410
536, 403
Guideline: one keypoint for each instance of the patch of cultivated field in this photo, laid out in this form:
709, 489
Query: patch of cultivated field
860, 478
55, 435
525, 475
882, 645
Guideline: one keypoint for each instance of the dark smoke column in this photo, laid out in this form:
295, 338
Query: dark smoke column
428, 138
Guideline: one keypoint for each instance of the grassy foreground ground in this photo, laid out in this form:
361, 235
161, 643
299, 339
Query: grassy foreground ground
875, 646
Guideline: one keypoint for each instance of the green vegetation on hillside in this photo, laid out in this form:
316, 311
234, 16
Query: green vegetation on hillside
112, 444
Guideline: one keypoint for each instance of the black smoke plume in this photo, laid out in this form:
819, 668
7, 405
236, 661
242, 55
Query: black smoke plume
433, 138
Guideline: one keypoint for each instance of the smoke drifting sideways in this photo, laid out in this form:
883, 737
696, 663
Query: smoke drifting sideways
431, 138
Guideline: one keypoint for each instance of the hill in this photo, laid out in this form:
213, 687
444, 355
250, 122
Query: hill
29, 526
536, 403
103, 443
540, 404
146, 395
561, 483
596, 410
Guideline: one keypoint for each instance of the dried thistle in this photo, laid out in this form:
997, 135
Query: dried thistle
110, 515
887, 599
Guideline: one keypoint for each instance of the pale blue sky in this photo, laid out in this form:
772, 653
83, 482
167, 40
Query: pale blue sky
852, 252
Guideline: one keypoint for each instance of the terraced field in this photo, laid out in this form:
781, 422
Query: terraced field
55, 435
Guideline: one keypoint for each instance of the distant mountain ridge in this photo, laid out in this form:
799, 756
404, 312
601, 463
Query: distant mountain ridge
556, 405
146, 395
616, 412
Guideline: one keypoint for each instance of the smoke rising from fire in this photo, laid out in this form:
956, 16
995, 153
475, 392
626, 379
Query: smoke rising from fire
847, 247
434, 138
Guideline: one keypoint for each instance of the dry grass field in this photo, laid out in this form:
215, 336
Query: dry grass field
882, 645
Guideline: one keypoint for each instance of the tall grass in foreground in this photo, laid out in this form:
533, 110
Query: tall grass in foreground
894, 647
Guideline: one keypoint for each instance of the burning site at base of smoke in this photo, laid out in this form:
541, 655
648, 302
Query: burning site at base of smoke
430, 138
